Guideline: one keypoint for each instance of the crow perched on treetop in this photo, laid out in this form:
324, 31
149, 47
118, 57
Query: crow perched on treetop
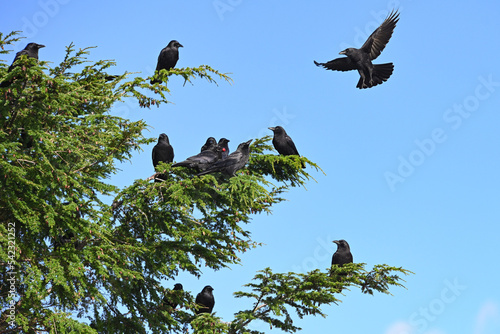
343, 254
173, 305
205, 298
223, 147
162, 152
168, 58
283, 143
31, 51
209, 143
361, 59
202, 160
234, 161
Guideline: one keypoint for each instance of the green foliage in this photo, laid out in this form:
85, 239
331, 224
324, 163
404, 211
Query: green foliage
10, 38
277, 294
77, 257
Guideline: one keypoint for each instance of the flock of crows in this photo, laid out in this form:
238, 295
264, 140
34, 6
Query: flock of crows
215, 157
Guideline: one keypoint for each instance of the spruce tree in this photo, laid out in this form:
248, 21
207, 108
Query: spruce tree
88, 257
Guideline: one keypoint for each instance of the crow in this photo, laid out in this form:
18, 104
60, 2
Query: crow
168, 58
208, 144
31, 51
206, 299
234, 161
66, 238
61, 240
223, 147
162, 152
343, 254
361, 59
108, 78
173, 304
202, 160
283, 143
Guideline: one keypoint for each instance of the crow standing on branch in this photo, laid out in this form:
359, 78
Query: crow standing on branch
234, 161
206, 300
168, 58
361, 59
223, 147
343, 254
31, 51
208, 144
172, 304
162, 152
283, 143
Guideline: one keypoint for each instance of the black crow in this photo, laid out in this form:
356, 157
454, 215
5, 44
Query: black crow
343, 254
283, 143
108, 78
208, 144
223, 147
205, 299
162, 152
168, 58
234, 162
202, 160
66, 238
31, 51
361, 59
172, 304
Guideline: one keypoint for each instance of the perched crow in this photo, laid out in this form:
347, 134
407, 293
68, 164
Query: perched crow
172, 304
211, 142
343, 254
69, 236
283, 143
223, 147
234, 162
202, 160
110, 77
361, 59
206, 299
66, 238
31, 51
162, 152
168, 58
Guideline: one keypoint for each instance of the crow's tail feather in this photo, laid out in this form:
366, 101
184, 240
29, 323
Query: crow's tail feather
381, 73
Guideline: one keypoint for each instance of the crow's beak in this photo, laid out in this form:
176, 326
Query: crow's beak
342, 52
248, 142
180, 45
40, 46
335, 242
272, 129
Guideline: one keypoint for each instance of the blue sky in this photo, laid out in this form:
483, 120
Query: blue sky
412, 166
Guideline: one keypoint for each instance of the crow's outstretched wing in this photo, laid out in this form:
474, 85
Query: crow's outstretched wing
377, 41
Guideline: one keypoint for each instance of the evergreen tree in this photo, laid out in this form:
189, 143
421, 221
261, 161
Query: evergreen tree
77, 256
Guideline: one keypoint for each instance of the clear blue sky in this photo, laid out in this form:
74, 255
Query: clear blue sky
412, 166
